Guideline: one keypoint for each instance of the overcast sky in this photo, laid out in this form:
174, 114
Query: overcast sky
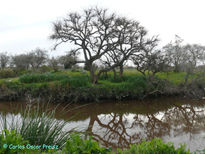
27, 24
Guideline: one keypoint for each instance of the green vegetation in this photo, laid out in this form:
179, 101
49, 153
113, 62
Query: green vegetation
37, 127
75, 86
11, 138
39, 78
75, 145
155, 146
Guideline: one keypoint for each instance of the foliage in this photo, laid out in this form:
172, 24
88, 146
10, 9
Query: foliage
76, 145
44, 69
38, 127
76, 82
11, 138
7, 73
35, 78
155, 146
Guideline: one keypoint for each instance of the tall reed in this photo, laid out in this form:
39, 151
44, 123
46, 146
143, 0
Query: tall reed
37, 126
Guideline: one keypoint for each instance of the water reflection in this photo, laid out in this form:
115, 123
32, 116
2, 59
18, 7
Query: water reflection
120, 124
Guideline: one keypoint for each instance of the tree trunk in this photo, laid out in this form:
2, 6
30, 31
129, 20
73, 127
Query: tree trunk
121, 70
114, 74
94, 78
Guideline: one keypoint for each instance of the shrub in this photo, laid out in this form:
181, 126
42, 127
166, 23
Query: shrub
44, 69
76, 145
36, 78
7, 73
8, 138
76, 81
155, 146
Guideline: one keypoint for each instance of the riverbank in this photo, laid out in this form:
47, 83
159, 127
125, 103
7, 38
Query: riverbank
67, 86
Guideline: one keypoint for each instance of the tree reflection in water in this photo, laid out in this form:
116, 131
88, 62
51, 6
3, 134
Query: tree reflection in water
120, 124
121, 130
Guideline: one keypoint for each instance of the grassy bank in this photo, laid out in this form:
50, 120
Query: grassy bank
64, 86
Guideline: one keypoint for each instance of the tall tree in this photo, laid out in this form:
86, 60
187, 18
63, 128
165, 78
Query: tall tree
91, 33
175, 53
100, 37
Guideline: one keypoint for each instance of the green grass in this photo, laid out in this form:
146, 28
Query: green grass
174, 77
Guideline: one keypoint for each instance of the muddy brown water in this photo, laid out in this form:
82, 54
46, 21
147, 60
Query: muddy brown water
119, 124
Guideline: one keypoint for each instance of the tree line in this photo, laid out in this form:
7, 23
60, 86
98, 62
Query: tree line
105, 41
35, 59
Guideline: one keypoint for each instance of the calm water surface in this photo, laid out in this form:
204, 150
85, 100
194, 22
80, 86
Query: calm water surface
119, 124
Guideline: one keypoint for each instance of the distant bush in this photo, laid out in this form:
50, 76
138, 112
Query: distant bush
76, 145
44, 69
155, 146
7, 73
37, 78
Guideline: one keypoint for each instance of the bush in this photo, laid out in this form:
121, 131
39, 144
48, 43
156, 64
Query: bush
155, 146
76, 145
11, 138
76, 81
37, 78
44, 69
7, 73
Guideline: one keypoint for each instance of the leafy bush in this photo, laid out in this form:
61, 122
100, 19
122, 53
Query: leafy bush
155, 146
45, 68
7, 73
8, 138
36, 78
76, 81
76, 145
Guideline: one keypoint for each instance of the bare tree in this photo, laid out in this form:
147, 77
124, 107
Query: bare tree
69, 60
90, 32
53, 63
37, 57
193, 57
175, 53
4, 60
131, 38
21, 61
149, 61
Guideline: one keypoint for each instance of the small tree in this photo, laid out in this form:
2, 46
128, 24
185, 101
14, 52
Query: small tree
149, 61
175, 53
37, 58
4, 60
21, 61
68, 60
53, 63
